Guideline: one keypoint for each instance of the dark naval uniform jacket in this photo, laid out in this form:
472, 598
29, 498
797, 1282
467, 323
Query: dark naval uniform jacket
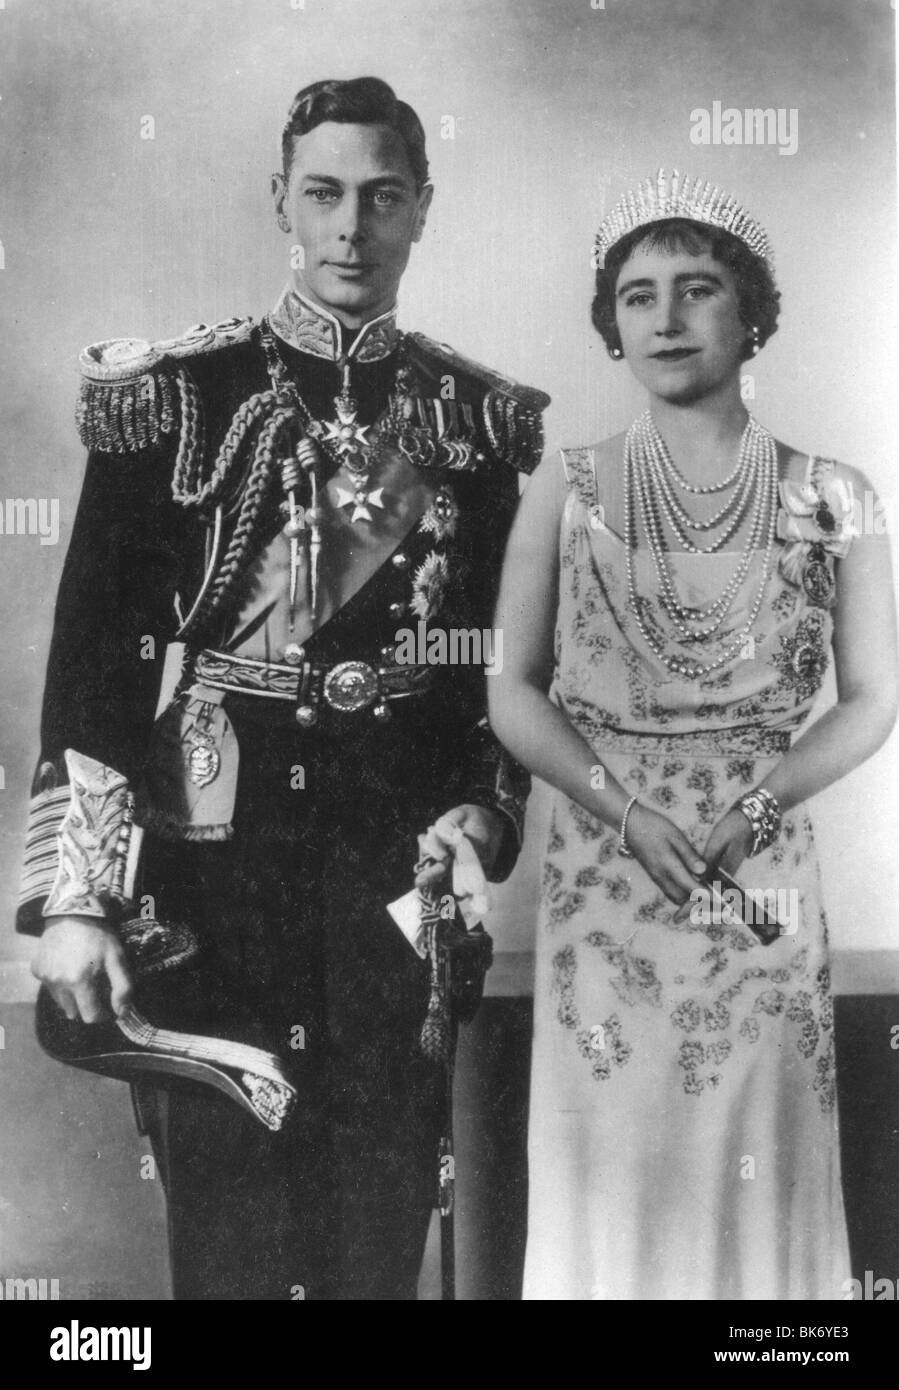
326, 567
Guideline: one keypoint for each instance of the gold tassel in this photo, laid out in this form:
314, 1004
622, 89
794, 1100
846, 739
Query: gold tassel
436, 1041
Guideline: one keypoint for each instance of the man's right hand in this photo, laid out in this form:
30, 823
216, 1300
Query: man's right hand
82, 963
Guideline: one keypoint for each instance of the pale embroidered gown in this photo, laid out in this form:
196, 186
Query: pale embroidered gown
683, 1132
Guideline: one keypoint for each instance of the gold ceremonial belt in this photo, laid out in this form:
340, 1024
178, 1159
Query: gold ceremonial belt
348, 686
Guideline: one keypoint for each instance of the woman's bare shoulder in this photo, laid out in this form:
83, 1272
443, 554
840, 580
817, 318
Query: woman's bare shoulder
547, 486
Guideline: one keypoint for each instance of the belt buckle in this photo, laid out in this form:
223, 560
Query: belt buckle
351, 686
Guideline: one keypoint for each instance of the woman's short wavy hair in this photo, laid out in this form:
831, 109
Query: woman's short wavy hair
759, 297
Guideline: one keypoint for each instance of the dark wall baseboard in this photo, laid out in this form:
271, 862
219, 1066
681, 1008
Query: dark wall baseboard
70, 1159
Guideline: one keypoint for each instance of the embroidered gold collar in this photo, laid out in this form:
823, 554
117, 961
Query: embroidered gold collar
310, 328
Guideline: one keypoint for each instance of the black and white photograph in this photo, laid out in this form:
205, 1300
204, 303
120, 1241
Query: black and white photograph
448, 764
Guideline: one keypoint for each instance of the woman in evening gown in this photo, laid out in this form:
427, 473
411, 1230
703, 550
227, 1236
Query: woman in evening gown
670, 603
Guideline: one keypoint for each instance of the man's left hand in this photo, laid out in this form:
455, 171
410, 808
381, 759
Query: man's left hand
483, 828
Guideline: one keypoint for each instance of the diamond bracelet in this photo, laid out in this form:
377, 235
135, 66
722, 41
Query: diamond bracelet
762, 811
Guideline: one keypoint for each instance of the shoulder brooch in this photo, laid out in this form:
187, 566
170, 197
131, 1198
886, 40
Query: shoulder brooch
816, 518
133, 393
510, 413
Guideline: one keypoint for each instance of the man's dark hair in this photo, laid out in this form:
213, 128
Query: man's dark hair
356, 101
759, 297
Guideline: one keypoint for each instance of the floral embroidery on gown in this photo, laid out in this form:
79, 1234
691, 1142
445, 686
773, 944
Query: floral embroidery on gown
683, 1131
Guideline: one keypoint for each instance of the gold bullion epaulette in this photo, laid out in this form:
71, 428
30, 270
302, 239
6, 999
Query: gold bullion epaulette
511, 414
134, 392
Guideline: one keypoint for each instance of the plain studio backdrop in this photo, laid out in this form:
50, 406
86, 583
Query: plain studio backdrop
138, 139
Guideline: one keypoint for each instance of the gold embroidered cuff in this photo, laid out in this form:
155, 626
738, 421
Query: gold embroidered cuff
46, 813
97, 842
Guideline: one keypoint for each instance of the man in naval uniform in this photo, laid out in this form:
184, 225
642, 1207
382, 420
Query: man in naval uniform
283, 498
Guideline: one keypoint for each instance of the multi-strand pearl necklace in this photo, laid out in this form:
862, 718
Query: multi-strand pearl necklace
650, 479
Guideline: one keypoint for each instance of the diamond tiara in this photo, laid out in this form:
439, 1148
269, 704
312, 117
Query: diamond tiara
655, 200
